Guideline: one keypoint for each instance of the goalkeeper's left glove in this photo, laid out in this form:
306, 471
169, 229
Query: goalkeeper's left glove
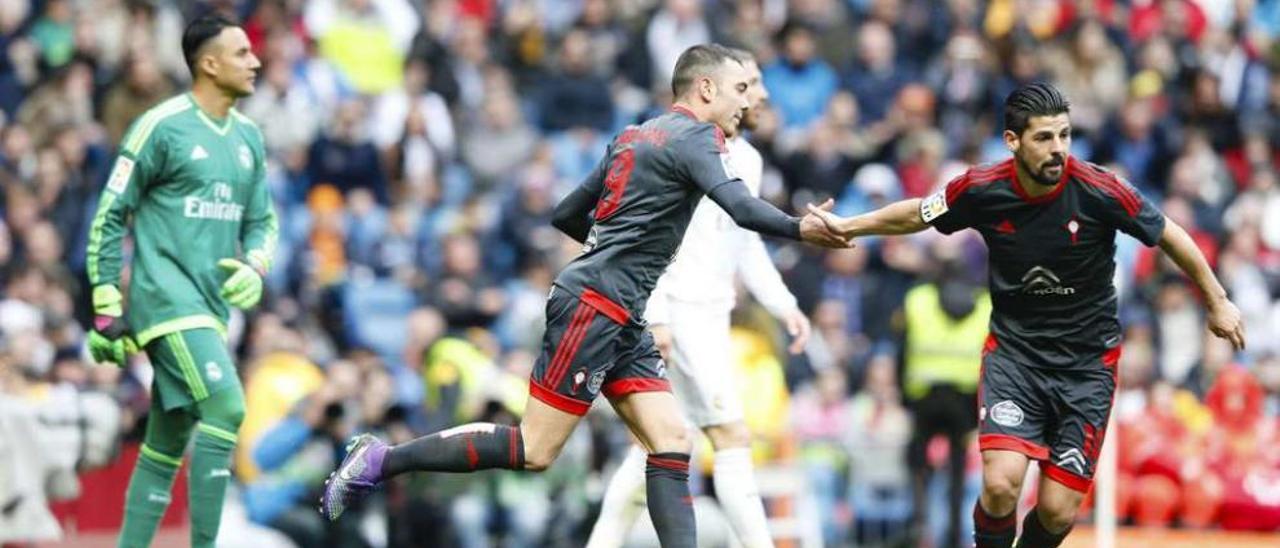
243, 288
109, 340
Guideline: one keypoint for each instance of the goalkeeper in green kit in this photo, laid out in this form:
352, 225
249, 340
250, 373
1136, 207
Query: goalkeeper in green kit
190, 179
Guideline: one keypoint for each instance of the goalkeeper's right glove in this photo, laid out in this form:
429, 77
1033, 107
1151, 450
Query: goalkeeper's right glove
109, 341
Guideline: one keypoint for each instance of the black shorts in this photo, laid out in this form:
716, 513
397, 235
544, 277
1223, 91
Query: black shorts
592, 347
1058, 417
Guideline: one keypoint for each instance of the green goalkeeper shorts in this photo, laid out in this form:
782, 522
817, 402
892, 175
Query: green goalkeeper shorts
190, 366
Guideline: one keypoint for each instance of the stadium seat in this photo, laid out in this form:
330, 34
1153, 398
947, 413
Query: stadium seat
374, 313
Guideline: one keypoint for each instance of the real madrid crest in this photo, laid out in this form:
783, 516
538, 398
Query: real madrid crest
246, 157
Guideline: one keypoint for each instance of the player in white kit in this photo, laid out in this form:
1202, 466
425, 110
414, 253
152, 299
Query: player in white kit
688, 314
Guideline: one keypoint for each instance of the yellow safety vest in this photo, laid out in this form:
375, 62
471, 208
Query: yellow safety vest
939, 349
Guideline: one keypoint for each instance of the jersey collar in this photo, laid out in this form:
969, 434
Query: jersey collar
678, 109
1044, 198
219, 127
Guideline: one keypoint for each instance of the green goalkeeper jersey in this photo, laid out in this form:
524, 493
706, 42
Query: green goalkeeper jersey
195, 190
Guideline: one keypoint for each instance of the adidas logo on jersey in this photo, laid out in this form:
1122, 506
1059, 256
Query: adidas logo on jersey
198, 153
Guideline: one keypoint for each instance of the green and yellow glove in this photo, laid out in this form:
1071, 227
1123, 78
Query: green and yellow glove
109, 341
243, 288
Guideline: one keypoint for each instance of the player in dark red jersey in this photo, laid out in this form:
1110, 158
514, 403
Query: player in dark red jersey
631, 213
1049, 369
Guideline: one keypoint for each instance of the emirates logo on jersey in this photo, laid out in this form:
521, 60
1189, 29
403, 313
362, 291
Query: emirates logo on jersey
1041, 281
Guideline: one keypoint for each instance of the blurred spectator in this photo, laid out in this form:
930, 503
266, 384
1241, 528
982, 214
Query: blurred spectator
296, 454
365, 39
800, 84
574, 96
822, 417
921, 148
965, 78
470, 58
287, 112
142, 87
946, 325
62, 194
1202, 107
1090, 70
1139, 140
500, 143
877, 74
831, 24
879, 438
345, 157
68, 427
820, 167
414, 104
125, 28
415, 149
463, 292
65, 99
678, 25
526, 221
52, 33
607, 39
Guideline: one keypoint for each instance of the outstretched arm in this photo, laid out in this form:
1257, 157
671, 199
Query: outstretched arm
1224, 318
757, 215
753, 213
901, 217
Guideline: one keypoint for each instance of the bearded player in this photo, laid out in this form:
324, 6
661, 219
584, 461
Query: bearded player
630, 213
191, 178
1049, 366
688, 314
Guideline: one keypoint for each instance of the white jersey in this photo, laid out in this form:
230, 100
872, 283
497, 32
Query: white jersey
715, 248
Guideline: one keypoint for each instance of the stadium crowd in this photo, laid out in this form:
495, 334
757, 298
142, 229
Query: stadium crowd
417, 149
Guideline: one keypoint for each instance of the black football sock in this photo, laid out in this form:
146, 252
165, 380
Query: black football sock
1035, 535
466, 448
670, 505
993, 532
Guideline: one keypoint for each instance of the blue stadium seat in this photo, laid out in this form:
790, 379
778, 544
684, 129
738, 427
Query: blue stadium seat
374, 313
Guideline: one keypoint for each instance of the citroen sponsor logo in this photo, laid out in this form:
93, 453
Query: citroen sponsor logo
1074, 459
1042, 281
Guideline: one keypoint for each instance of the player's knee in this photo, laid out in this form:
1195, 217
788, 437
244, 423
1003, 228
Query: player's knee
235, 413
672, 439
1057, 517
224, 409
1058, 507
1000, 491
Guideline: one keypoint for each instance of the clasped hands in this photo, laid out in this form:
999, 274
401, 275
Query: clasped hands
820, 227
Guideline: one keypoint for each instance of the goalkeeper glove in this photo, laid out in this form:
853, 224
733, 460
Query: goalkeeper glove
243, 288
109, 341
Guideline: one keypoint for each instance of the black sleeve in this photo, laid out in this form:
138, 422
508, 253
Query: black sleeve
704, 157
952, 207
572, 215
753, 213
1133, 214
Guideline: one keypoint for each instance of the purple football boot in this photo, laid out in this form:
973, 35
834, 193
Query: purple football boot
357, 476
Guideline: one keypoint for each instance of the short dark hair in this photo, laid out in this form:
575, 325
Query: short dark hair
743, 56
1034, 99
698, 61
198, 33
